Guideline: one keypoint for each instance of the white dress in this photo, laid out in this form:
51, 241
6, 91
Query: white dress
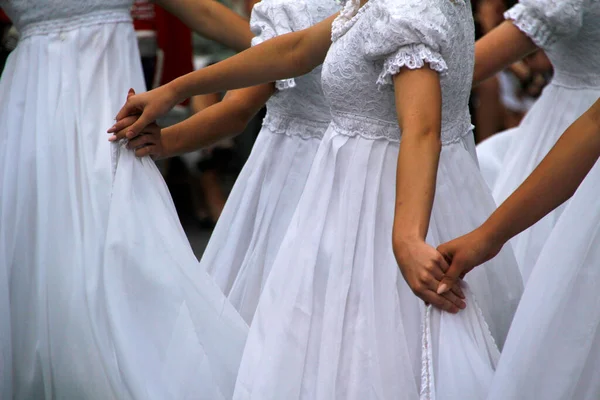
569, 33
245, 241
553, 348
336, 320
107, 298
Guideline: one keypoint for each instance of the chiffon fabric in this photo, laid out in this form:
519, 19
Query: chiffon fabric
260, 206
107, 299
569, 33
553, 348
335, 319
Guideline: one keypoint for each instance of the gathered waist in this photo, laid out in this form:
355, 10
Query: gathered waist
71, 23
373, 128
294, 125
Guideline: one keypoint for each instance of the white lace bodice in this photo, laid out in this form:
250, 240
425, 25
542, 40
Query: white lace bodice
299, 106
569, 32
383, 37
32, 12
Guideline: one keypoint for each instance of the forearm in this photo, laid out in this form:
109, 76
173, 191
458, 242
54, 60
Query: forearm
500, 48
553, 182
415, 184
225, 119
283, 57
212, 20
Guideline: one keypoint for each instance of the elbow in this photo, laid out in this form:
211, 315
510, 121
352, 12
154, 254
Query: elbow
428, 137
241, 119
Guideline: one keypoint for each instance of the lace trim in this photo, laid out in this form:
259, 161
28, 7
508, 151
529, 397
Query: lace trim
294, 126
69, 24
427, 378
348, 17
413, 56
427, 375
285, 84
375, 129
529, 24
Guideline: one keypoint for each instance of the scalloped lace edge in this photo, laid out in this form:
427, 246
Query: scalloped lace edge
413, 56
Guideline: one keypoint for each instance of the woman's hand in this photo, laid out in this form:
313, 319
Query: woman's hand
464, 254
147, 106
149, 143
423, 268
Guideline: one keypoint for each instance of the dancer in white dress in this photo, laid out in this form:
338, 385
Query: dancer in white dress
107, 300
569, 32
335, 319
258, 211
553, 347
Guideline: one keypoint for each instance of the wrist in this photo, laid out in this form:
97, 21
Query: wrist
178, 90
168, 140
492, 234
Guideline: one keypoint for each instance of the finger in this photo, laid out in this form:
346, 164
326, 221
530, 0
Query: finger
138, 126
451, 277
121, 128
141, 140
150, 150
130, 93
433, 284
439, 302
457, 289
131, 107
122, 124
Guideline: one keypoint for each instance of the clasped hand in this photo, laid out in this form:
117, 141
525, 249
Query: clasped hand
136, 123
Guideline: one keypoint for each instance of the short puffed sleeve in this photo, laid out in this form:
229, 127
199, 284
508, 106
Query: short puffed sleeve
547, 21
271, 18
407, 34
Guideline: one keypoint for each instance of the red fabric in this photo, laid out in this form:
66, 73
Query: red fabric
3, 17
144, 15
175, 41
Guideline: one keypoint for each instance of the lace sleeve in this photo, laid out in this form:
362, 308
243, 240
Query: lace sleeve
411, 34
271, 18
546, 21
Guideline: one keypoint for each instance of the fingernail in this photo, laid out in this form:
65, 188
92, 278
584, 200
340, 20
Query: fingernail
111, 129
112, 138
130, 134
443, 288
463, 305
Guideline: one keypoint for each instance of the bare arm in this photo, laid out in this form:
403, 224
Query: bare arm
213, 20
419, 115
285, 56
222, 120
553, 182
419, 105
499, 49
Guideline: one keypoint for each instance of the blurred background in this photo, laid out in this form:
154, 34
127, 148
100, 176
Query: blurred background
200, 181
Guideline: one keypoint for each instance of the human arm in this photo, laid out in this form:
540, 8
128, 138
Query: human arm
530, 24
222, 120
418, 104
213, 20
553, 182
285, 56
499, 49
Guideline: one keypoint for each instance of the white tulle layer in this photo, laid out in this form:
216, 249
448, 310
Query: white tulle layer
106, 296
260, 206
336, 320
553, 349
551, 115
